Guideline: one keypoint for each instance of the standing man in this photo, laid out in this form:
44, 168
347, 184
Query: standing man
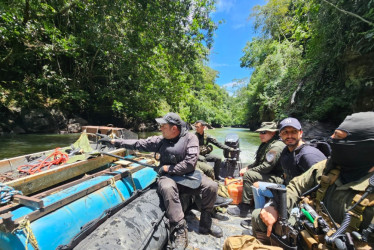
265, 168
178, 151
206, 149
343, 179
295, 159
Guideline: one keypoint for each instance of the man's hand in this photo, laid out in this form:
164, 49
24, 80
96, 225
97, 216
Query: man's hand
242, 171
163, 170
104, 139
269, 216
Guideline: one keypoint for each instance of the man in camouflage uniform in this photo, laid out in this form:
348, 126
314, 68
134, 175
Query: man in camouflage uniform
352, 164
266, 167
206, 149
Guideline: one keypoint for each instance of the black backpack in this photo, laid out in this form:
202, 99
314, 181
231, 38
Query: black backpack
321, 145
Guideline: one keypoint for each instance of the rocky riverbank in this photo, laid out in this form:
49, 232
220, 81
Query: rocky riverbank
55, 121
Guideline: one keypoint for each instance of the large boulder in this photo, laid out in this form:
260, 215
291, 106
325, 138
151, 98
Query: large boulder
38, 121
76, 119
74, 128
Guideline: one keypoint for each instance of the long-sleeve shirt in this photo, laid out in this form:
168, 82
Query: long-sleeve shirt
180, 153
267, 158
299, 161
205, 139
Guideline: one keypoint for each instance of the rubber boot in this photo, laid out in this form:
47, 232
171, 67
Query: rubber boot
179, 238
221, 201
206, 225
217, 168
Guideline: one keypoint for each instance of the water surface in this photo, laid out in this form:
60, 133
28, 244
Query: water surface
15, 145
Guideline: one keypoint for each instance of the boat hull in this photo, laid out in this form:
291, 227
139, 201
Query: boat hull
60, 226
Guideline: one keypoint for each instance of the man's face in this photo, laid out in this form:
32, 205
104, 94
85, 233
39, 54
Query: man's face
199, 128
167, 130
265, 136
291, 136
339, 134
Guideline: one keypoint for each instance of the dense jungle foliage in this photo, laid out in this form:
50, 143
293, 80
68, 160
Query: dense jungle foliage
129, 61
313, 59
123, 61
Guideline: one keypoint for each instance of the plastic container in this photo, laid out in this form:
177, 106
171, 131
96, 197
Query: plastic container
235, 190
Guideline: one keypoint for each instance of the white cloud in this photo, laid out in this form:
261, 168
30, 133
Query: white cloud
231, 87
233, 84
225, 5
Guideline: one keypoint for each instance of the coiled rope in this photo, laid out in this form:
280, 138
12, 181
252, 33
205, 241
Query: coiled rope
56, 158
6, 193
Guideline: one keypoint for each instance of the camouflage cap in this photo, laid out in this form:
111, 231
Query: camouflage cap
268, 126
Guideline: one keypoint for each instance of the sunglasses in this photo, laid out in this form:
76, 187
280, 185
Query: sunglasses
263, 132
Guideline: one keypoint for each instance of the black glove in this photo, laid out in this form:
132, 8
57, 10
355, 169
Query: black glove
161, 171
104, 139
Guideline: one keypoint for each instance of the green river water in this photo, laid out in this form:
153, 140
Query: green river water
15, 145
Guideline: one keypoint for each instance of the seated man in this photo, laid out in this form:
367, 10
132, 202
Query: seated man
295, 159
344, 177
265, 168
205, 149
178, 151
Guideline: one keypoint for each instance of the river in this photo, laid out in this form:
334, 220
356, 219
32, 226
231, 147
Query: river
14, 145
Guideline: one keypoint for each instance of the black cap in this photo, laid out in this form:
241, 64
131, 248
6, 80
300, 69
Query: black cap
171, 118
290, 122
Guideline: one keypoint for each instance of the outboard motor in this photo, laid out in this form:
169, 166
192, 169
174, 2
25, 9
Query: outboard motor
232, 158
232, 140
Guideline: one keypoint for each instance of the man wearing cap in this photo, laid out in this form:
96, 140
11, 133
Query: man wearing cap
265, 168
295, 159
205, 149
178, 152
341, 183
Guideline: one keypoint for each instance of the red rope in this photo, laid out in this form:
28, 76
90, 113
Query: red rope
57, 158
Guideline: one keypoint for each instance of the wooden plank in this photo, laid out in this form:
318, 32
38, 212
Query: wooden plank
36, 182
28, 201
48, 209
123, 162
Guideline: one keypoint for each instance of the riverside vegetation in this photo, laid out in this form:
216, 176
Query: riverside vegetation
128, 61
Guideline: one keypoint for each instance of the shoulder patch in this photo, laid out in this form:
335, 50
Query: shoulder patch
193, 150
270, 156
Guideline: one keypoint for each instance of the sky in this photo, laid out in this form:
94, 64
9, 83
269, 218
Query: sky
230, 39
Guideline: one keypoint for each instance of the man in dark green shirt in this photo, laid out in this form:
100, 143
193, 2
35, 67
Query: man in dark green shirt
266, 167
206, 149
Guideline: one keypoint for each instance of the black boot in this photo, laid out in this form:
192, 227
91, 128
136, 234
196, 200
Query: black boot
206, 225
246, 223
242, 210
221, 202
179, 238
217, 168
